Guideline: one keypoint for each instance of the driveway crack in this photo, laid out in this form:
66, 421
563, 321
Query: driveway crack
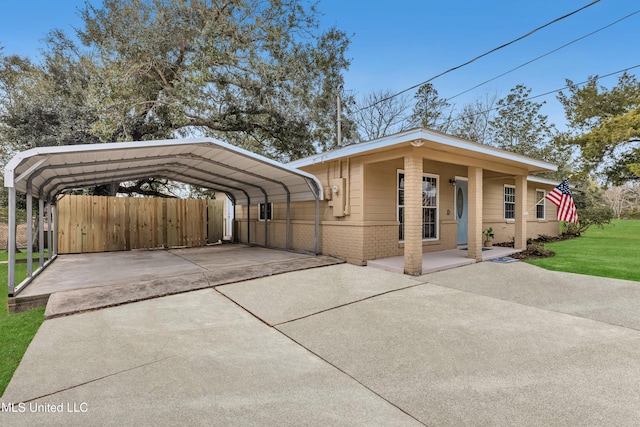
100, 378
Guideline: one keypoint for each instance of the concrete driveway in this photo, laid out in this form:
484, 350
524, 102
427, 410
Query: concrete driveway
485, 344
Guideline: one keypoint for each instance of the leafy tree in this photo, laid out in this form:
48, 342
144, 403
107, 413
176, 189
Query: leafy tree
605, 126
593, 208
254, 72
46, 104
430, 110
519, 126
379, 113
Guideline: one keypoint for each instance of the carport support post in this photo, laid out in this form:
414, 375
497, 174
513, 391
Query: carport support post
474, 238
55, 229
316, 225
49, 232
288, 226
41, 231
248, 221
29, 233
520, 239
413, 213
11, 241
266, 220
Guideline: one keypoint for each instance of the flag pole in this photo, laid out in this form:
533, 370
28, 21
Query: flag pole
535, 204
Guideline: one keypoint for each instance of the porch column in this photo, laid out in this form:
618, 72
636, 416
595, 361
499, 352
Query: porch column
413, 214
475, 213
521, 212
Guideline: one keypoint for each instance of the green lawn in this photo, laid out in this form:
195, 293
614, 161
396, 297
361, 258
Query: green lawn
613, 251
4, 255
16, 330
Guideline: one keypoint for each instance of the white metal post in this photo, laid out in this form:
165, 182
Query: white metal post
29, 234
49, 232
288, 227
266, 220
41, 231
55, 229
11, 241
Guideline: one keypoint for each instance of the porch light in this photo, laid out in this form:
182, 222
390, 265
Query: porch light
417, 143
452, 182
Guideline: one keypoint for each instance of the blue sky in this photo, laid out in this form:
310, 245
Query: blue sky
397, 44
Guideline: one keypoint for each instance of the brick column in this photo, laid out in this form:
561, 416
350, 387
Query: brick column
413, 214
521, 212
475, 213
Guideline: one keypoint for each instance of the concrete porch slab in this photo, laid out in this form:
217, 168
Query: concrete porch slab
441, 260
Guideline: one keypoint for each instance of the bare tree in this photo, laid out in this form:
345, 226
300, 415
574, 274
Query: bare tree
617, 197
472, 122
379, 113
623, 198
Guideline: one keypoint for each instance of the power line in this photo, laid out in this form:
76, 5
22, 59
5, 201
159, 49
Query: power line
482, 55
546, 54
543, 94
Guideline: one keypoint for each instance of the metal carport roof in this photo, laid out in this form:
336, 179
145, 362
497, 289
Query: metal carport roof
246, 177
47, 171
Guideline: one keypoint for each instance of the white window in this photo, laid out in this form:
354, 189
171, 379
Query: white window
262, 213
509, 202
429, 206
540, 208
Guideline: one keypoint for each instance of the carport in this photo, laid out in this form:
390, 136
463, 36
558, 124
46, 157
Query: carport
47, 173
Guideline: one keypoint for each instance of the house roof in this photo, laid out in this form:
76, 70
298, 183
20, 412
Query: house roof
432, 139
45, 172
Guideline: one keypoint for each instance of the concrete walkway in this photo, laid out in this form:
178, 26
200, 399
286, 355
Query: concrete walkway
485, 344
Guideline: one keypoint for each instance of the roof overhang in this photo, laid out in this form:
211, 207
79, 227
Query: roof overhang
433, 140
208, 163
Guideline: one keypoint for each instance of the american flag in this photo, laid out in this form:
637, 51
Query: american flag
561, 197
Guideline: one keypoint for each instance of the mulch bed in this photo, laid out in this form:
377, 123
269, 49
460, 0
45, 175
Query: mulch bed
535, 248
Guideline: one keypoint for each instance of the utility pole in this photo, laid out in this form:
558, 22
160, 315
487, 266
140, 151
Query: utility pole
339, 100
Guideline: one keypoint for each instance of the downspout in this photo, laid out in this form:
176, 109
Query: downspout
347, 208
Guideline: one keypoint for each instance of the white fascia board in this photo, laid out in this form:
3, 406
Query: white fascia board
539, 180
418, 134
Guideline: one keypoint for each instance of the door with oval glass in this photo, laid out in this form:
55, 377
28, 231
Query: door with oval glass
462, 210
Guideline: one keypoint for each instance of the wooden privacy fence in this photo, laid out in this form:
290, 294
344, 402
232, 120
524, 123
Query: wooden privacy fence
103, 224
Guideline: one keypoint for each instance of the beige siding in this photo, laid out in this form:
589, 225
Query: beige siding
352, 172
381, 180
369, 227
504, 230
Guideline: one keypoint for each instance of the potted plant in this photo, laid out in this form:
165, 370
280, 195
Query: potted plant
488, 236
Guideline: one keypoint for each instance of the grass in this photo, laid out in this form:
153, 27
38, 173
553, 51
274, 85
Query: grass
16, 330
4, 255
613, 252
